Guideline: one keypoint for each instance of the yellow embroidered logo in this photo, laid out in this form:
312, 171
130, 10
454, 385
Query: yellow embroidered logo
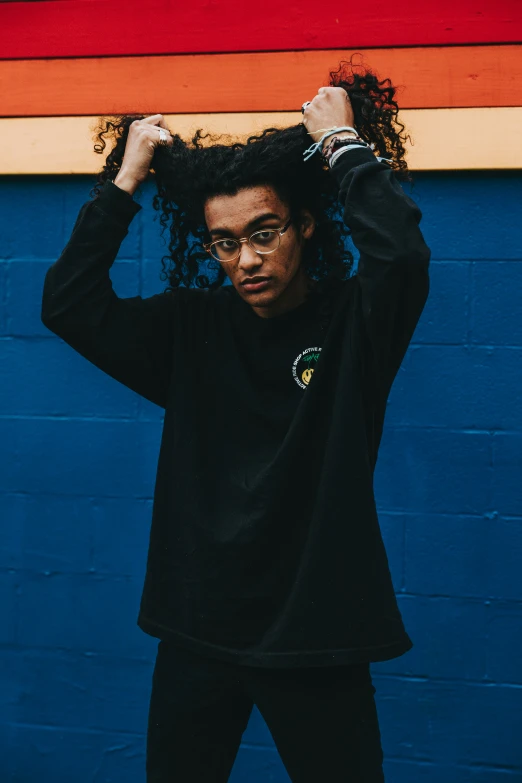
304, 366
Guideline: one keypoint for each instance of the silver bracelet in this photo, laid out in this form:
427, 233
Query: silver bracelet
342, 149
347, 147
330, 132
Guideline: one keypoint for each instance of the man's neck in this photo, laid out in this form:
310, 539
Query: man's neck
294, 294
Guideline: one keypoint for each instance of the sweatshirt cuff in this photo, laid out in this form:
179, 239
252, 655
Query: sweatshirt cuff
349, 160
117, 203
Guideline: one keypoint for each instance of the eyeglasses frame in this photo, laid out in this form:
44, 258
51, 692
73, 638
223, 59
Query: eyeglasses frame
280, 231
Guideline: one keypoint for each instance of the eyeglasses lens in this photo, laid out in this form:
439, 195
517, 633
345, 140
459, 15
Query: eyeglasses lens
262, 242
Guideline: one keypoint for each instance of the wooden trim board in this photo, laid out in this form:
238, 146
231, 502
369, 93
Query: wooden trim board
443, 138
433, 77
89, 28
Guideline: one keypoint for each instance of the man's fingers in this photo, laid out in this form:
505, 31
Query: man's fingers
158, 120
155, 122
154, 119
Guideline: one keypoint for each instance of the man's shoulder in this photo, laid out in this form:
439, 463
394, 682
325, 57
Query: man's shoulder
333, 288
194, 302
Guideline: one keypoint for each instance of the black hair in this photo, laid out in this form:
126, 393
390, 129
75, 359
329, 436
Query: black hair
187, 174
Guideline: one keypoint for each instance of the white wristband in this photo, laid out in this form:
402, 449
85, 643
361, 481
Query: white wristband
353, 147
344, 148
330, 132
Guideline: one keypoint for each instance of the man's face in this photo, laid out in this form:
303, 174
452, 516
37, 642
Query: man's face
254, 209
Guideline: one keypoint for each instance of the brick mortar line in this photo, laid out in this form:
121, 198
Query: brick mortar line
119, 578
6, 337
390, 428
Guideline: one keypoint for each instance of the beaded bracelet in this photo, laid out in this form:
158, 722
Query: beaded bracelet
335, 139
338, 142
328, 132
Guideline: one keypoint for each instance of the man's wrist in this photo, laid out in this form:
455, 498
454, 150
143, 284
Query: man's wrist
126, 182
340, 135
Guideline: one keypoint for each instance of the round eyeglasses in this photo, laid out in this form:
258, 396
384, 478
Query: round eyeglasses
265, 241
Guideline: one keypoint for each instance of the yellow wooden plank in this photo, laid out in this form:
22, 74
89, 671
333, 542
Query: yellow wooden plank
472, 138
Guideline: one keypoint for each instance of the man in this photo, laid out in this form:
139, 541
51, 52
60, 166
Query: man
267, 579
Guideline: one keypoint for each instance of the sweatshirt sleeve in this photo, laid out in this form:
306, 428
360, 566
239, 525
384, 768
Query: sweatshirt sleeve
392, 275
129, 339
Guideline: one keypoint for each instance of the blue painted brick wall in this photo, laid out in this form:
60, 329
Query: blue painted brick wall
78, 455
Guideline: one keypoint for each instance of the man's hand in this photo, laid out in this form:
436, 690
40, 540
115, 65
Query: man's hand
141, 144
330, 108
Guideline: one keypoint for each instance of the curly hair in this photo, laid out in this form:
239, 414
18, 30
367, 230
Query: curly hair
186, 175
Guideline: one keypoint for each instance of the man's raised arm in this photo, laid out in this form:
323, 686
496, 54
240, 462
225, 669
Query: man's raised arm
129, 339
394, 258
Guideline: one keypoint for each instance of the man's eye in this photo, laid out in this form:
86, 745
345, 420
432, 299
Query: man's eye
227, 244
264, 236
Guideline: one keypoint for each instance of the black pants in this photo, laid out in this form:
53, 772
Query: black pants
323, 719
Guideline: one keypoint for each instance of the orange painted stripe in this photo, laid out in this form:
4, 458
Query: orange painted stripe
432, 77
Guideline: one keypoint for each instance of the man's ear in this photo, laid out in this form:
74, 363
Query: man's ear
307, 224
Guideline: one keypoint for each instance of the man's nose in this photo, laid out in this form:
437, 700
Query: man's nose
249, 258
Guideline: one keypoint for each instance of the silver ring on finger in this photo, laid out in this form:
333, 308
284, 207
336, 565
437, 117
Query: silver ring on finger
305, 104
163, 138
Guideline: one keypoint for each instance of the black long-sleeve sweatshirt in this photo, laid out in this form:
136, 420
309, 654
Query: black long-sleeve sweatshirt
265, 546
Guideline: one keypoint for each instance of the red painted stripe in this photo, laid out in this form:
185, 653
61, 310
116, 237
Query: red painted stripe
85, 28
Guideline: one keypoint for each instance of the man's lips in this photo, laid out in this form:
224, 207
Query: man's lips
256, 284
